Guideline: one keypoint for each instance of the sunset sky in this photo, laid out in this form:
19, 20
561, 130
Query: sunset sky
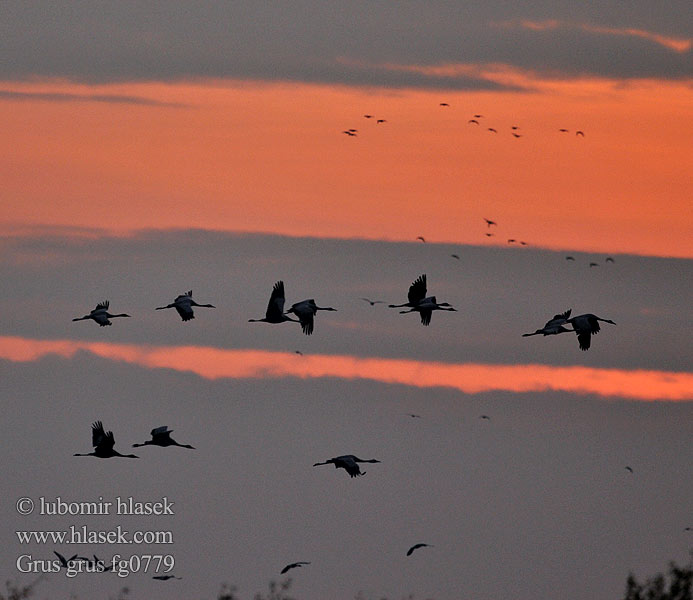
153, 148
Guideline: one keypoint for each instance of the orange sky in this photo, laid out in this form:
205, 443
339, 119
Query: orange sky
271, 157
470, 378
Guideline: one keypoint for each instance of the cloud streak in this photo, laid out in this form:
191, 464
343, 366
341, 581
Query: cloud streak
14, 95
469, 378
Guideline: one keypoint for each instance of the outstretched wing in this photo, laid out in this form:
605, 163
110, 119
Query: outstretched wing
417, 290
102, 305
275, 307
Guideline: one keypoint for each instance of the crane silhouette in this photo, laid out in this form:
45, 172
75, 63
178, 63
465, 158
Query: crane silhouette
300, 563
183, 305
417, 292
100, 314
489, 222
306, 311
103, 442
161, 436
553, 326
349, 463
585, 327
426, 307
372, 302
275, 307
65, 562
416, 547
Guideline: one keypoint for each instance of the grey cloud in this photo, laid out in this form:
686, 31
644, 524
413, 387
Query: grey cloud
65, 97
303, 41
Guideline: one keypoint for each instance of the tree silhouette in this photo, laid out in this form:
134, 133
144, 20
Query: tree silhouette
677, 584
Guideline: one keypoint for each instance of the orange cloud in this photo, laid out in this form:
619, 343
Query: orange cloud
470, 378
272, 158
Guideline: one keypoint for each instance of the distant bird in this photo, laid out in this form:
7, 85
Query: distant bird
373, 302
473, 121
455, 256
348, 462
570, 258
183, 305
585, 326
488, 234
553, 326
293, 566
492, 130
165, 577
422, 238
275, 307
416, 546
100, 314
350, 133
478, 116
368, 116
417, 292
523, 243
103, 443
688, 528
563, 130
65, 562
514, 127
594, 264
306, 311
629, 469
609, 259
485, 417
489, 222
413, 416
511, 240
161, 436
444, 104
517, 135
298, 352
426, 307
580, 133
380, 121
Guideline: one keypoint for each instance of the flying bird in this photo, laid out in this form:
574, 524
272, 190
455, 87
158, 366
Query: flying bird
478, 116
306, 311
422, 238
489, 222
275, 307
165, 577
413, 416
457, 256
517, 135
594, 264
492, 130
444, 104
103, 442
300, 563
609, 259
553, 326
184, 306
416, 546
570, 258
373, 302
350, 132
349, 463
65, 562
417, 292
161, 436
485, 417
580, 133
629, 469
563, 130
511, 240
380, 121
488, 234
473, 121
426, 307
100, 314
585, 326
368, 116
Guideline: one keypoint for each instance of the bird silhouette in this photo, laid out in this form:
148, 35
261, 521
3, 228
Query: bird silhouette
594, 264
609, 259
103, 443
553, 326
629, 469
300, 563
489, 222
350, 132
380, 121
492, 130
349, 463
426, 307
161, 436
562, 130
372, 302
275, 307
417, 292
183, 305
456, 256
100, 314
368, 116
416, 546
473, 121
580, 133
585, 327
165, 577
422, 238
306, 311
570, 258
444, 104
485, 417
517, 135
65, 562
